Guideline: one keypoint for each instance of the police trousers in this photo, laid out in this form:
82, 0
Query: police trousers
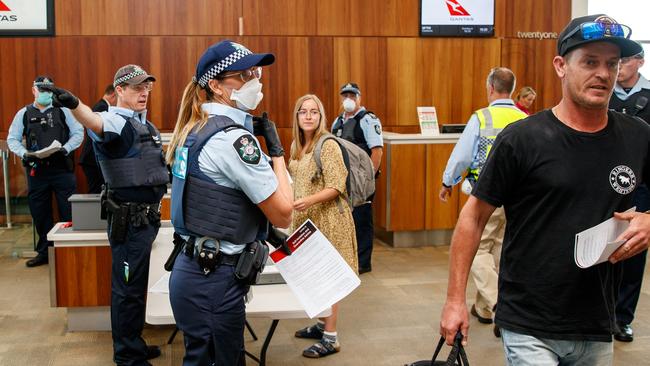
364, 229
211, 312
129, 278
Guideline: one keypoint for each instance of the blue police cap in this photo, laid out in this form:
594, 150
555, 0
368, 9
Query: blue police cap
350, 88
228, 56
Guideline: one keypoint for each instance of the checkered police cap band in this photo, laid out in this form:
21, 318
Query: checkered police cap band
129, 76
42, 83
222, 65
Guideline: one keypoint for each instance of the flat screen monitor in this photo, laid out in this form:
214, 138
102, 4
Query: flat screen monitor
457, 18
453, 128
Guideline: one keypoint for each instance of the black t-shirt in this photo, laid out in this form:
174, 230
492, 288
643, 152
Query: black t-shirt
554, 182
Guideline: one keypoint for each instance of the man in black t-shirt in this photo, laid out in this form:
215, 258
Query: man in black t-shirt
557, 173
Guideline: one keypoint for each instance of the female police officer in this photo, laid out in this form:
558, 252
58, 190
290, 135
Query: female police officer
223, 192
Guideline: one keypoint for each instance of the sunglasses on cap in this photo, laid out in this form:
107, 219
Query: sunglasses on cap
599, 30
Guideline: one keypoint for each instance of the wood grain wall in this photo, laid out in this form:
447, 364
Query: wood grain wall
319, 45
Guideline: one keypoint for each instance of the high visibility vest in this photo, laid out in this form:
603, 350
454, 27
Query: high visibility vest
492, 120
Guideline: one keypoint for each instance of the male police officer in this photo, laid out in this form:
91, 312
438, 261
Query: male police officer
363, 128
41, 123
631, 96
129, 152
470, 153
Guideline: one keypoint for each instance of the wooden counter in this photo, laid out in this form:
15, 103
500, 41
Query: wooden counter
407, 210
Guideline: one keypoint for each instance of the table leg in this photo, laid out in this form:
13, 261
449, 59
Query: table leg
267, 341
251, 331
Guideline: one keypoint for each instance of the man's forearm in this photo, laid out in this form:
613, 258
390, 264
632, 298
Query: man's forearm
88, 118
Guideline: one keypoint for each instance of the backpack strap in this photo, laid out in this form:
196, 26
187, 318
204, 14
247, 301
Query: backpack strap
319, 165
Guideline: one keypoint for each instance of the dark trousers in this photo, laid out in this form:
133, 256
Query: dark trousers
210, 311
633, 268
362, 216
129, 278
94, 178
40, 189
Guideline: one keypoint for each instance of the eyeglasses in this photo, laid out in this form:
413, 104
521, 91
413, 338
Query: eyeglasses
148, 86
625, 60
245, 75
598, 30
304, 113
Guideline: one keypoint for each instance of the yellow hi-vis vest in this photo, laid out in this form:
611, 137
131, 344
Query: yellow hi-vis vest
493, 119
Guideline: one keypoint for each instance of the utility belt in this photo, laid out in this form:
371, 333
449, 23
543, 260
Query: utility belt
248, 264
121, 215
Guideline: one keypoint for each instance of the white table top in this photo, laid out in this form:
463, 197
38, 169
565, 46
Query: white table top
393, 138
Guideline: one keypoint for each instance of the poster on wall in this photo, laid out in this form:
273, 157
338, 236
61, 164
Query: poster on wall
457, 18
26, 18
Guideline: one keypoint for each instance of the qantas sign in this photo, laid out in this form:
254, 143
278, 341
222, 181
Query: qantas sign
455, 9
4, 7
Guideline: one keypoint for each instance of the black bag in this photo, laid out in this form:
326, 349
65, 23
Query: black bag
251, 262
457, 355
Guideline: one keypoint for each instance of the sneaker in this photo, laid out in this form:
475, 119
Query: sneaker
321, 349
480, 318
311, 332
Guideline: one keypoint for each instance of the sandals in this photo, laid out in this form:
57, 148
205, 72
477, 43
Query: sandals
311, 332
321, 349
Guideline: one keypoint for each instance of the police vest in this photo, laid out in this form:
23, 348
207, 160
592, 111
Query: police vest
199, 206
41, 129
492, 120
351, 129
144, 163
634, 105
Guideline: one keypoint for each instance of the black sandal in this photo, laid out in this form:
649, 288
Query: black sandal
321, 349
311, 332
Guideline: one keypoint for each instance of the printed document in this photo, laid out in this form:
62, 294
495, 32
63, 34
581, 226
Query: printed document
47, 151
315, 271
596, 244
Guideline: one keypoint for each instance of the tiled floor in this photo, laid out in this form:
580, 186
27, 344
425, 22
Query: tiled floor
392, 319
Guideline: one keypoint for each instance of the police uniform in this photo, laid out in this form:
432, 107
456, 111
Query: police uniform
87, 158
130, 156
41, 127
219, 177
364, 130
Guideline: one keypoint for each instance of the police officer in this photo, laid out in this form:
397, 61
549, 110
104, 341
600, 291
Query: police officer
363, 128
129, 153
224, 192
631, 96
469, 155
41, 123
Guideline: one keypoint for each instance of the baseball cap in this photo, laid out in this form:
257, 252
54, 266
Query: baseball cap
42, 80
350, 88
597, 28
132, 75
228, 56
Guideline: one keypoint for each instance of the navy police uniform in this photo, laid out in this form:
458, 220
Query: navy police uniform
219, 177
130, 156
40, 127
364, 130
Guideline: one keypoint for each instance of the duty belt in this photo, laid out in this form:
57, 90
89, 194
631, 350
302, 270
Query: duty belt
192, 251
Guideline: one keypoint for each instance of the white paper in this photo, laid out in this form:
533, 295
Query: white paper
428, 121
596, 244
315, 271
162, 285
45, 152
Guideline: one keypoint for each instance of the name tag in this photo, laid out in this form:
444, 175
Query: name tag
179, 169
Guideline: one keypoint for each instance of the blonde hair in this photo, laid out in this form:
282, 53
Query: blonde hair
298, 143
524, 92
190, 115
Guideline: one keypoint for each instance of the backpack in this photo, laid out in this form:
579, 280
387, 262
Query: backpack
360, 182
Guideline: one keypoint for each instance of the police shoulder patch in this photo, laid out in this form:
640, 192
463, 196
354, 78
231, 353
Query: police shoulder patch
378, 129
247, 149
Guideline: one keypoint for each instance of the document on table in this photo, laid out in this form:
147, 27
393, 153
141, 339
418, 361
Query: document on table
47, 151
162, 285
315, 271
596, 244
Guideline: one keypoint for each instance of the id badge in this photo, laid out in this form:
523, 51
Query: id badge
179, 169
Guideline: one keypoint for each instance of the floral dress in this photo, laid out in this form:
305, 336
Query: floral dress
333, 218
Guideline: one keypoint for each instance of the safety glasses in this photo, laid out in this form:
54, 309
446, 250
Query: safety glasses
599, 30
245, 75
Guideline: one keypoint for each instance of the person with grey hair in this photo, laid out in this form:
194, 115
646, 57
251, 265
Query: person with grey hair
469, 156
556, 174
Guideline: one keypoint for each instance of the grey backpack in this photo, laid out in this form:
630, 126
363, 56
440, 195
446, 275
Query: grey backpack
360, 182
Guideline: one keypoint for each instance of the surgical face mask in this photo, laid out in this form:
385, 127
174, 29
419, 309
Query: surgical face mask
44, 98
249, 96
349, 105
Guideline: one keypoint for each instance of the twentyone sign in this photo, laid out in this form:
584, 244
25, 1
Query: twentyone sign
469, 18
26, 17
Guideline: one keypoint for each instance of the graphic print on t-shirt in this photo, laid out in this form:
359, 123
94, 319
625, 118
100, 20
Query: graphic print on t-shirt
622, 179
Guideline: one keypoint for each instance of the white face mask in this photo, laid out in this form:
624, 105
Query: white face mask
349, 105
249, 96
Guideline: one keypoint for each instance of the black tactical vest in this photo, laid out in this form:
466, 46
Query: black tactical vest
634, 105
351, 130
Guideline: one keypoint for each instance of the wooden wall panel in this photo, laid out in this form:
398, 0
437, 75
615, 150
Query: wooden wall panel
280, 17
147, 17
532, 62
83, 269
395, 18
535, 16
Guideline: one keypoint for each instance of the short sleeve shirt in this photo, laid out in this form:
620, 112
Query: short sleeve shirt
554, 182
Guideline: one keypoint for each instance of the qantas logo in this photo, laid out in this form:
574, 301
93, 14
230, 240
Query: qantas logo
4, 7
455, 9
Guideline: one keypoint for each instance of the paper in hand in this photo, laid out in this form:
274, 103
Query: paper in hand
596, 244
47, 151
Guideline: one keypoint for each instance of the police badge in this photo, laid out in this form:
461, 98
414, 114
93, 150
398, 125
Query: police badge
247, 149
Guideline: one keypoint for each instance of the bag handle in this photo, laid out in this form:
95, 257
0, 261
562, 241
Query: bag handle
457, 353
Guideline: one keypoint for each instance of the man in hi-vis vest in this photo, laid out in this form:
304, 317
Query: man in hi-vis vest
469, 155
